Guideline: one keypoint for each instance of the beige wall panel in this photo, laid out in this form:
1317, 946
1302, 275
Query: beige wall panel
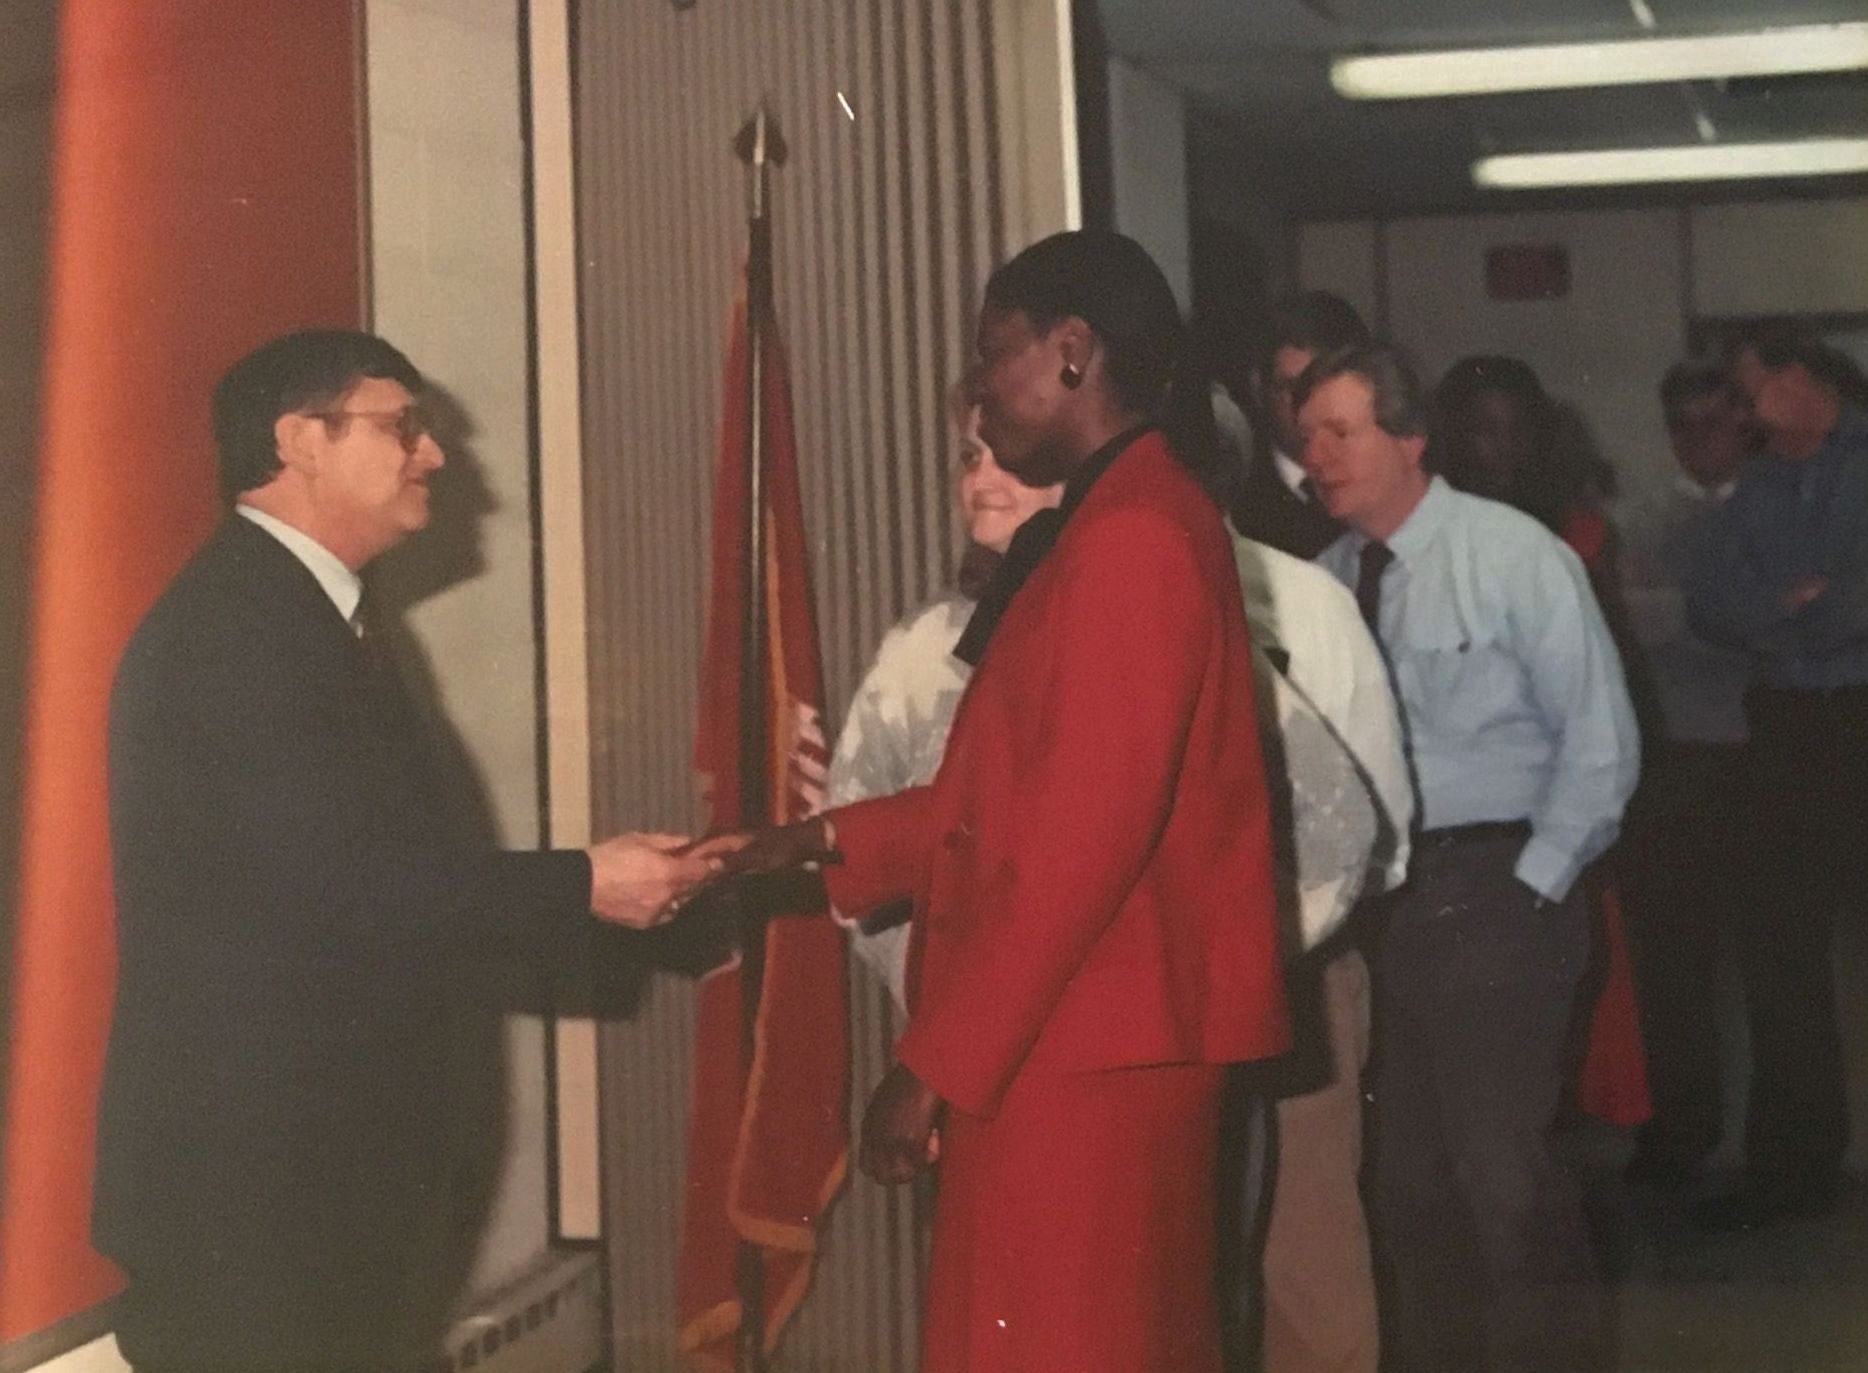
447, 259
1780, 257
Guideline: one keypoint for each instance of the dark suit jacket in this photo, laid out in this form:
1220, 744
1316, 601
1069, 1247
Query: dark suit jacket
1270, 512
287, 890
1091, 867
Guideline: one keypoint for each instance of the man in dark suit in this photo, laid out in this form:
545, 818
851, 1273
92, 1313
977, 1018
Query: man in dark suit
288, 890
1276, 505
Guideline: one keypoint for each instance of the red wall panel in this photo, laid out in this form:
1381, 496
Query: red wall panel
206, 195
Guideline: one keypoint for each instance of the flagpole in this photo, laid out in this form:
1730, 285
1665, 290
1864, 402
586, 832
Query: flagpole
760, 147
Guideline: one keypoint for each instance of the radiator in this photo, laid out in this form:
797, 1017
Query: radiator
551, 1321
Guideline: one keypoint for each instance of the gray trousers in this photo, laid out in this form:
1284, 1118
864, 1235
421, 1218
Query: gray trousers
1478, 1227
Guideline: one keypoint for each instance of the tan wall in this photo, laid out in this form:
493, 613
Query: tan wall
1639, 280
1790, 257
1148, 156
447, 231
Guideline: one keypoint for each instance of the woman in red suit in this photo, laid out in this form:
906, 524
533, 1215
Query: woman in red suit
1093, 935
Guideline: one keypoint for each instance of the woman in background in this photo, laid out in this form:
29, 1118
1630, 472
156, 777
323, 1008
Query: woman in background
1503, 436
896, 729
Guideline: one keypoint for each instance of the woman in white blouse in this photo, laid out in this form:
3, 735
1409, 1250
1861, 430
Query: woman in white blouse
896, 729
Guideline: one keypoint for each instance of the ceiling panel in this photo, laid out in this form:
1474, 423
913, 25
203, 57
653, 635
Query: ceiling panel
1479, 23
1687, 15
1145, 30
1178, 30
1261, 68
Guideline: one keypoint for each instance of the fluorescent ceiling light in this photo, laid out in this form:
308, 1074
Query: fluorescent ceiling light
1692, 162
1625, 62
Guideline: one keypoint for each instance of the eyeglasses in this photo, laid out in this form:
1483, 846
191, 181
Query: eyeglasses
410, 424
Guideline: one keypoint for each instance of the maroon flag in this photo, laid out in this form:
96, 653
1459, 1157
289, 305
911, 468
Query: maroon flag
768, 1141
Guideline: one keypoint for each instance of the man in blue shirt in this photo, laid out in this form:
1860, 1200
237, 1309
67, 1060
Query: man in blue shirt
1785, 577
1523, 749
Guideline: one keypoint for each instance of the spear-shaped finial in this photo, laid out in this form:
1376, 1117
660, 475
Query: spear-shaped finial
760, 145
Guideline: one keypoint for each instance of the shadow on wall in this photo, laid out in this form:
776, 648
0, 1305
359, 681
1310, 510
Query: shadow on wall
450, 550
602, 966
480, 990
601, 970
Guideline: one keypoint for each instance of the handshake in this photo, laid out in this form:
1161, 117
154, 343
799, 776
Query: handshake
642, 880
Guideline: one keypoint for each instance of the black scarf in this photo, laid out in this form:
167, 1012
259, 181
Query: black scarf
1029, 545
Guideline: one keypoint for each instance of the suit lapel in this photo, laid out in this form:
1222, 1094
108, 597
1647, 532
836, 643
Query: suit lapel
365, 666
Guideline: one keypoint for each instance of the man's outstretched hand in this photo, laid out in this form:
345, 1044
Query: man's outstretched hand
639, 879
900, 1127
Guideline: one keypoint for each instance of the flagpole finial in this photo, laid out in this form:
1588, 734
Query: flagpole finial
759, 142
760, 146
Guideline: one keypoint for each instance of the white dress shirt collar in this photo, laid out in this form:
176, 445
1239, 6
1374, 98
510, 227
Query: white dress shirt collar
1693, 490
1416, 532
342, 585
1290, 471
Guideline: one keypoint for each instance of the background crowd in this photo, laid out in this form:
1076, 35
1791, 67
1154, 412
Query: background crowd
1564, 726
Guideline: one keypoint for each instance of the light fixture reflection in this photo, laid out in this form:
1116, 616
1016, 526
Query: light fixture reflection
1690, 162
1622, 62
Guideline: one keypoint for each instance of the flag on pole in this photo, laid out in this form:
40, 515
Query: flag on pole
768, 1142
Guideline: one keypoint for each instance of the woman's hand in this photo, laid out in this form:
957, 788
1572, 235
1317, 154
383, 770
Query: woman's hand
779, 848
900, 1135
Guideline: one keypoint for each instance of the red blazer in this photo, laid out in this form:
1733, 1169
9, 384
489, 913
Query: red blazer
1091, 867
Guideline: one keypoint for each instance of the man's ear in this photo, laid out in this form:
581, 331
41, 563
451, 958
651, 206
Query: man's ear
294, 436
1414, 446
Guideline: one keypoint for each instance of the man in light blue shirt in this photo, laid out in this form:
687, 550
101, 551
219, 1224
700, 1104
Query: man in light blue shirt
1523, 749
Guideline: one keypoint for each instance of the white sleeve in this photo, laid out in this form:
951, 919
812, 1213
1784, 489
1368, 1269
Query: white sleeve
1336, 664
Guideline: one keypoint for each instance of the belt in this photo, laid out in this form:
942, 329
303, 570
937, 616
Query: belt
1473, 833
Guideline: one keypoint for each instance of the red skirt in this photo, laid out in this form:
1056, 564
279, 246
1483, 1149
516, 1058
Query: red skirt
1074, 1230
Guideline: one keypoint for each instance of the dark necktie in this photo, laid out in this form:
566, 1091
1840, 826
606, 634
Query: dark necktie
1376, 556
382, 683
1375, 559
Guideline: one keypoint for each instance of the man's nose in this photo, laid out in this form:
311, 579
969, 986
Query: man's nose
428, 452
